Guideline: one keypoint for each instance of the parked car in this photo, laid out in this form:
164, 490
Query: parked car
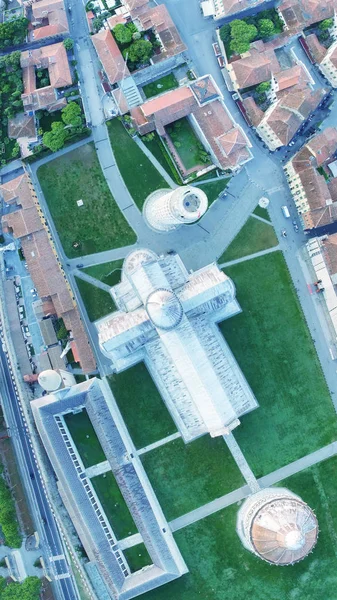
284, 233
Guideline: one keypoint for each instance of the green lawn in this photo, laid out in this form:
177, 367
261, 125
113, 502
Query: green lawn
262, 212
157, 148
253, 237
109, 273
137, 557
114, 505
273, 347
220, 568
85, 438
186, 476
168, 82
141, 405
140, 176
187, 145
97, 225
213, 189
98, 303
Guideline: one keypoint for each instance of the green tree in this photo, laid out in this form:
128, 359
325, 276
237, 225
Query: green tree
68, 43
29, 589
16, 150
241, 36
13, 32
266, 28
225, 33
97, 23
139, 51
122, 34
326, 24
71, 114
263, 87
54, 139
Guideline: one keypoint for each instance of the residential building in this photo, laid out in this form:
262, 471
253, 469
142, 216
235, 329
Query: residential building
283, 118
168, 319
28, 224
22, 128
54, 59
255, 66
326, 59
110, 56
315, 199
108, 566
222, 8
322, 252
48, 19
202, 103
299, 14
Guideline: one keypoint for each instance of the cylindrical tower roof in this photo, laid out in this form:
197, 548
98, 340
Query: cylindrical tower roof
50, 380
188, 203
167, 209
278, 526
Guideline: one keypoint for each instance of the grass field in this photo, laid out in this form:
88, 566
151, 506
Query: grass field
109, 273
222, 569
158, 150
114, 505
85, 438
262, 212
186, 476
98, 303
168, 82
189, 146
140, 176
273, 347
213, 189
137, 557
253, 237
97, 225
141, 405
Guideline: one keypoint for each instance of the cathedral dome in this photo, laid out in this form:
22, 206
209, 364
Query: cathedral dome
164, 309
284, 530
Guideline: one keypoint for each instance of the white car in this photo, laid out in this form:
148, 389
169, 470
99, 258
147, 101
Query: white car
284, 233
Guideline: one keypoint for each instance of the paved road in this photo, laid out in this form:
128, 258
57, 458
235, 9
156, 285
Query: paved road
250, 257
243, 492
33, 484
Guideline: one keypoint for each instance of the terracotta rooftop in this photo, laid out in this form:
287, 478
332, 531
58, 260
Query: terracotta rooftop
166, 101
17, 191
252, 69
316, 151
332, 185
158, 18
254, 113
293, 76
317, 51
164, 109
204, 89
42, 8
110, 56
54, 58
299, 14
21, 126
230, 7
134, 4
330, 253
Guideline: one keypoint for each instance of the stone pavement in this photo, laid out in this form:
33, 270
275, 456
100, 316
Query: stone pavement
241, 462
155, 162
161, 442
249, 257
92, 280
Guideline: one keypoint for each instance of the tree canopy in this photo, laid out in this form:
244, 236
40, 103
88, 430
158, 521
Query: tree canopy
241, 36
263, 87
326, 24
139, 51
71, 114
122, 33
68, 43
13, 32
54, 139
29, 589
8, 518
266, 28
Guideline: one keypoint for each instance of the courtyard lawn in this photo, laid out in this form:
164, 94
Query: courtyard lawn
109, 273
220, 568
186, 143
137, 557
140, 176
213, 189
166, 83
114, 505
262, 212
85, 438
97, 225
141, 405
253, 237
98, 303
274, 349
157, 148
186, 476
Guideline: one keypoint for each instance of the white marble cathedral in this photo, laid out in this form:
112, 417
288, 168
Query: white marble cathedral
168, 319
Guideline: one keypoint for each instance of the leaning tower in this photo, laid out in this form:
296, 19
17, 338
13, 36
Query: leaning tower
277, 526
165, 209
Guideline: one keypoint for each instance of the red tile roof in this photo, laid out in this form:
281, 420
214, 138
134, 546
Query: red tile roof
110, 56
299, 14
317, 51
159, 19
